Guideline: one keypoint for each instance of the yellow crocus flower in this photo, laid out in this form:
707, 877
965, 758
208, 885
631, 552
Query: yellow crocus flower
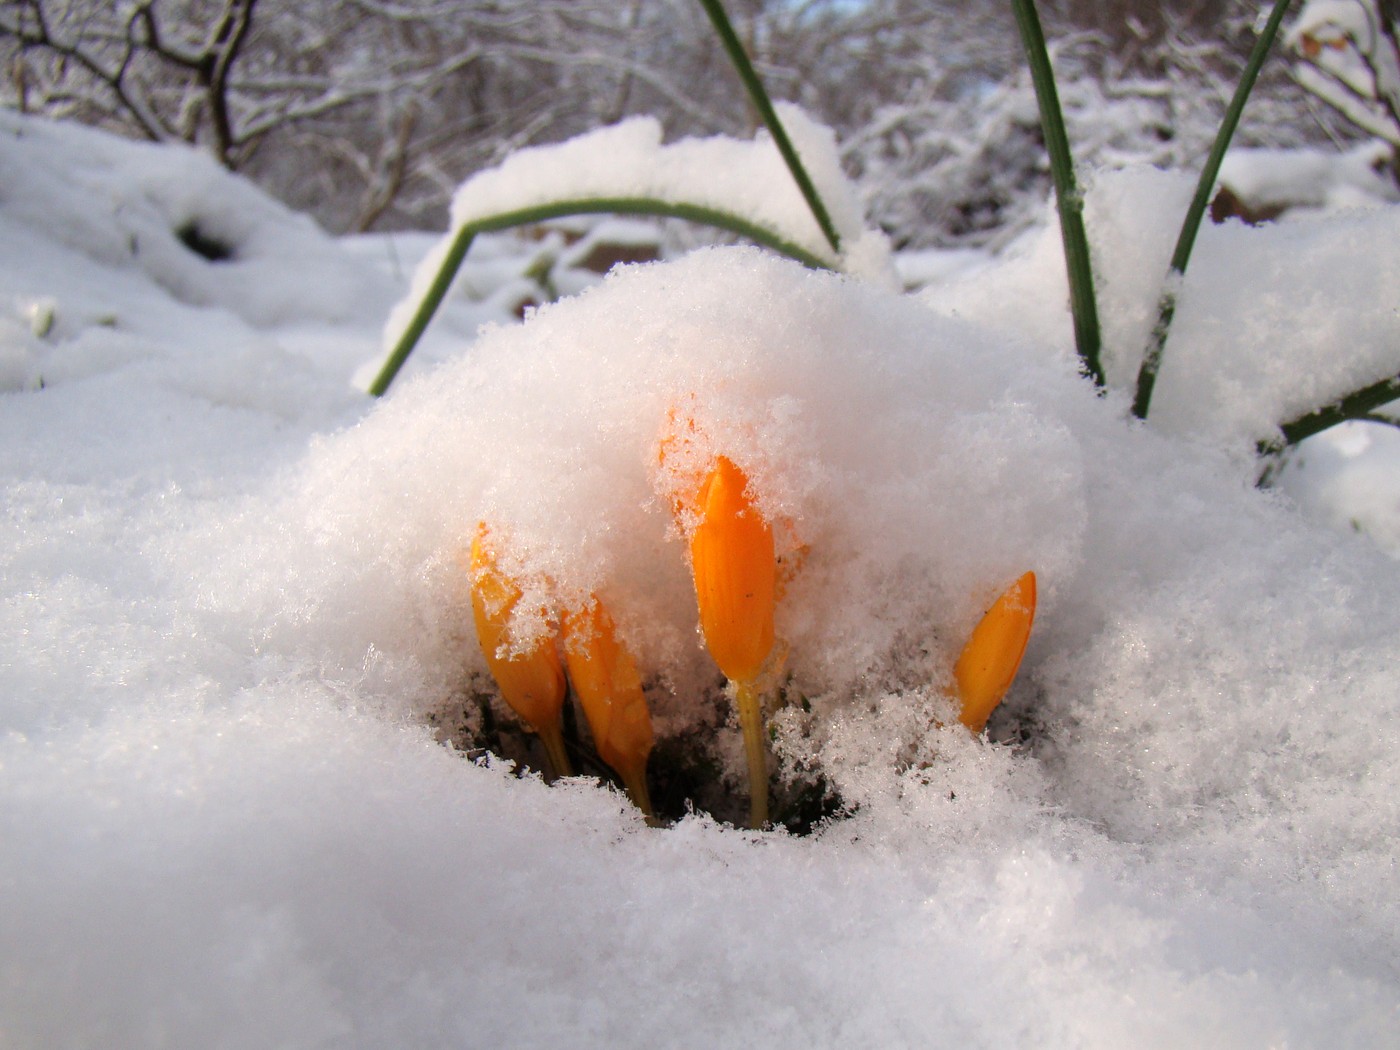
992, 656
736, 573
735, 569
608, 686
531, 682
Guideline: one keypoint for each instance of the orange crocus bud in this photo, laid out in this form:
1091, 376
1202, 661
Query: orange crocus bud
610, 690
735, 571
990, 659
532, 682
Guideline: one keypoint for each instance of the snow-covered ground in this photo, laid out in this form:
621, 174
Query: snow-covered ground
235, 611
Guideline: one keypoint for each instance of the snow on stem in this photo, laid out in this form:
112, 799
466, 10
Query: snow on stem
1355, 405
463, 237
759, 96
1068, 200
1191, 224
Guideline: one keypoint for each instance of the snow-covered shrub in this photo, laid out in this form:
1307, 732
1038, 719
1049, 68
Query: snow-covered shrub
1350, 59
972, 170
958, 163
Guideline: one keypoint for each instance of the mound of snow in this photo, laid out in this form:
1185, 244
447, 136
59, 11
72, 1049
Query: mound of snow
205, 236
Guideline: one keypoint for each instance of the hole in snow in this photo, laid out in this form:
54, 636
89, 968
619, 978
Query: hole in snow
202, 243
686, 772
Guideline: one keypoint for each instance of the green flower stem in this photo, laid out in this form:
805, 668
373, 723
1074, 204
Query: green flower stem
1191, 224
553, 740
751, 721
1068, 201
463, 238
635, 781
769, 115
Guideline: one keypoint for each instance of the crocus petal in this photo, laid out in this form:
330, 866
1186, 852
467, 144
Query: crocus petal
532, 682
608, 686
735, 571
990, 659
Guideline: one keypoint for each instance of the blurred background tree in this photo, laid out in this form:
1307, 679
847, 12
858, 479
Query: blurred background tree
368, 113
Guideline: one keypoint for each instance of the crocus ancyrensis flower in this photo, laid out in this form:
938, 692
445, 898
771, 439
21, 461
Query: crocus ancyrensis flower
532, 682
608, 686
734, 565
990, 659
735, 569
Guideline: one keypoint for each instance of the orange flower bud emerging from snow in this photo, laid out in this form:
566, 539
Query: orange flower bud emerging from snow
990, 659
735, 570
610, 690
531, 682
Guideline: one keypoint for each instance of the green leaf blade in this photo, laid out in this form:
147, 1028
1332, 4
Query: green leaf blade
462, 237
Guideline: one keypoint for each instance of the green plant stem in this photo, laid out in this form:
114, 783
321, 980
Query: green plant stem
751, 721
759, 96
1376, 417
1070, 204
1356, 405
462, 240
1191, 224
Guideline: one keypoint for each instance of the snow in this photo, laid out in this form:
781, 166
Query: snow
1272, 321
1310, 178
235, 608
629, 160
